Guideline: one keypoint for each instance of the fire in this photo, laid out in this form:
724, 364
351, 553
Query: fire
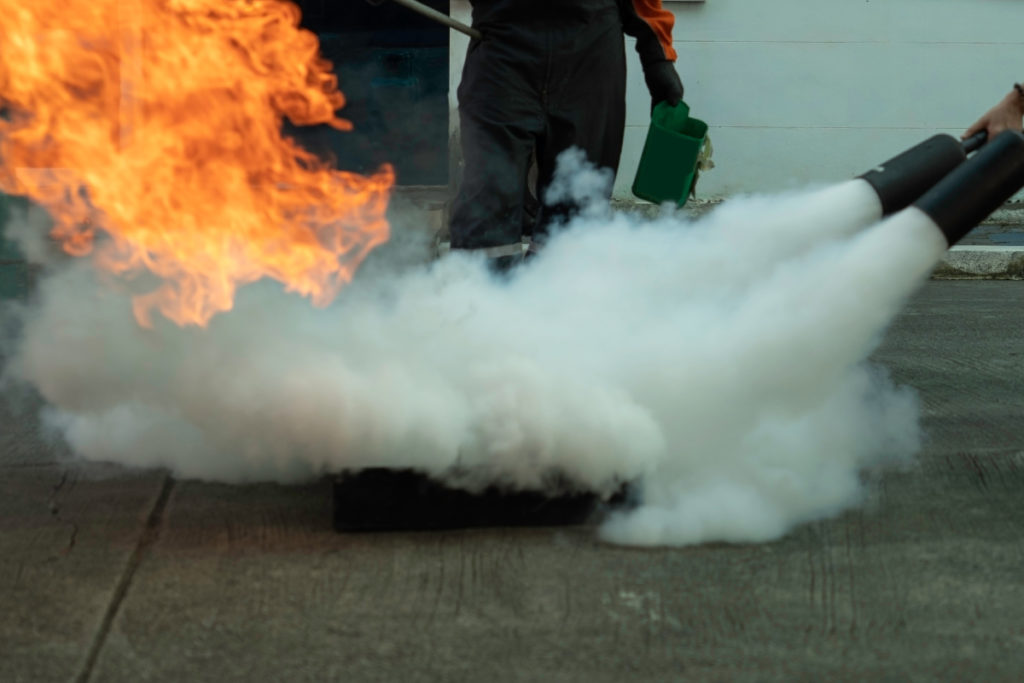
151, 132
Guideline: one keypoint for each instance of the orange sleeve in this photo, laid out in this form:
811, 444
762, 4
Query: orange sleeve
660, 21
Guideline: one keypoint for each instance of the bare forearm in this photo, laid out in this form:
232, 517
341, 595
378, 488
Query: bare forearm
1007, 114
1014, 100
1012, 107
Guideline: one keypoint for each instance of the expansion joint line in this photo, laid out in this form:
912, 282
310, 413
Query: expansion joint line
150, 534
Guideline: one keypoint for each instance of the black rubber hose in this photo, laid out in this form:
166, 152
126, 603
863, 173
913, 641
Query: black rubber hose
970, 193
904, 178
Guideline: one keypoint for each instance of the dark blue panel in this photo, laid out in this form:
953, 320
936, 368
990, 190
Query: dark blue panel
397, 98
381, 25
392, 66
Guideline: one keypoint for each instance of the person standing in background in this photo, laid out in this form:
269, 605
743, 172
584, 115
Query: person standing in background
1008, 114
546, 76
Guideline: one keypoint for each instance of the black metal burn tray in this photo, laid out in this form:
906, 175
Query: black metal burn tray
381, 499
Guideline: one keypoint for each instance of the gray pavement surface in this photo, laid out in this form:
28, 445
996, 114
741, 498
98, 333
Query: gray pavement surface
992, 251
117, 575
1003, 228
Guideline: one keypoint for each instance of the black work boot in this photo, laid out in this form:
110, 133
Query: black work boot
503, 266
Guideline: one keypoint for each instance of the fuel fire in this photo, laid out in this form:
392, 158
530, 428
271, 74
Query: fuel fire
150, 130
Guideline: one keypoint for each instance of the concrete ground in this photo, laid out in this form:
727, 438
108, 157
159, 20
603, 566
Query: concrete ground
993, 250
114, 575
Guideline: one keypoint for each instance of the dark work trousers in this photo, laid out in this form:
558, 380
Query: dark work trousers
543, 87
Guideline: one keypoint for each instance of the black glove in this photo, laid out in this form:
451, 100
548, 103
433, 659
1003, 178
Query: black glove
663, 83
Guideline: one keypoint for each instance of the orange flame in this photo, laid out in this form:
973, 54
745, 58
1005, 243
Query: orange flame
157, 124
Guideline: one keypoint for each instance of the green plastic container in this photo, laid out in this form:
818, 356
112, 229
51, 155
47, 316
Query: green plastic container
668, 165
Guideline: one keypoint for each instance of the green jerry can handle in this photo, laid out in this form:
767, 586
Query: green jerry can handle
668, 164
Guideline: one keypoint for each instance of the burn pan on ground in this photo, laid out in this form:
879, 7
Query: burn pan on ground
382, 499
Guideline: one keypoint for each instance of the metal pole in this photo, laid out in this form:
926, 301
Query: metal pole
439, 17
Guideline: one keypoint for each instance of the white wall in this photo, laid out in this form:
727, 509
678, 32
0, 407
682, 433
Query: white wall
800, 91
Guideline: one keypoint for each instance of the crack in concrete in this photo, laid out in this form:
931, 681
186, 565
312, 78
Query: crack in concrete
72, 539
55, 512
149, 536
54, 508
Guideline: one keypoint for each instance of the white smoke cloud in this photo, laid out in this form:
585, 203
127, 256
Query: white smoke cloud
718, 363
